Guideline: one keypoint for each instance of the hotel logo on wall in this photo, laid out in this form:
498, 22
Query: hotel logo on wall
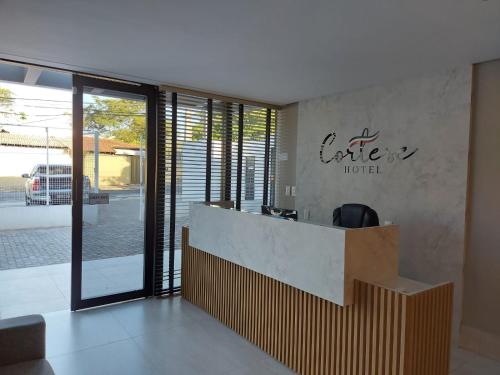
363, 154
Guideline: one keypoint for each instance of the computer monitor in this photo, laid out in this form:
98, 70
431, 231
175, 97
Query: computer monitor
282, 213
222, 204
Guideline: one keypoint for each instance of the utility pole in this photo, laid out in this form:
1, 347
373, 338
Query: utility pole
141, 181
47, 170
96, 161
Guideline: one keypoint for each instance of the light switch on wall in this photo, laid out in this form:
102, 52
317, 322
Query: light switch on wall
287, 190
283, 156
293, 191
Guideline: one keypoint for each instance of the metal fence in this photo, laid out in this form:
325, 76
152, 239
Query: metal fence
25, 153
24, 158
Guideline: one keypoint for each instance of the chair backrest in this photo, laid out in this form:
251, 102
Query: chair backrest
355, 215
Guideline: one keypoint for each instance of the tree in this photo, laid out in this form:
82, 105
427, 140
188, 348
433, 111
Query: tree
6, 107
122, 119
253, 126
125, 120
5, 103
5, 99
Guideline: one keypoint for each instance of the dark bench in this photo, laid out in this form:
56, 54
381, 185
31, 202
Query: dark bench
22, 346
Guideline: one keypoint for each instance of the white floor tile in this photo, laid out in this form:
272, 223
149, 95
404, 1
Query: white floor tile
121, 358
40, 307
29, 290
468, 363
68, 332
156, 315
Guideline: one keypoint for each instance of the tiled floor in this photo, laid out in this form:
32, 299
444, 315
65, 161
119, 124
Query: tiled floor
467, 363
34, 290
45, 289
171, 336
147, 336
155, 336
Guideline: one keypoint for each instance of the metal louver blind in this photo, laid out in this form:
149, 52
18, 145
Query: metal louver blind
164, 152
275, 119
191, 165
279, 151
208, 150
224, 151
254, 158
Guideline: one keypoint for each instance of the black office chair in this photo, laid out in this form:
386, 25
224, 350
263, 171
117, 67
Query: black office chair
355, 215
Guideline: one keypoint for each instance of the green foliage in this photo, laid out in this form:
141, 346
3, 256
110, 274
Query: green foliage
253, 127
125, 120
6, 101
122, 119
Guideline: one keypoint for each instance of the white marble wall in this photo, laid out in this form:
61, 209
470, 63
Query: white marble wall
424, 194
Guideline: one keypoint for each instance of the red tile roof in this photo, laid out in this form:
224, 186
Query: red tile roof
28, 140
106, 145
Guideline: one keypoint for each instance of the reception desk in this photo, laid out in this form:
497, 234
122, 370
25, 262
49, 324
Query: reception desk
318, 259
320, 299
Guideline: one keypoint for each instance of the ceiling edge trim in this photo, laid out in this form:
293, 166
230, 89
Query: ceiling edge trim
216, 96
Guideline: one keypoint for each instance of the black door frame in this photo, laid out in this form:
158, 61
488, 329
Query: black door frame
151, 93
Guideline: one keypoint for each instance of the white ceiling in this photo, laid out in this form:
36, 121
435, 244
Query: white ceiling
279, 51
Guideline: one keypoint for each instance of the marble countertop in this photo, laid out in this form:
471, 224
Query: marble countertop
404, 285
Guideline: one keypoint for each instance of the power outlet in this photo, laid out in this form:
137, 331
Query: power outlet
293, 191
287, 190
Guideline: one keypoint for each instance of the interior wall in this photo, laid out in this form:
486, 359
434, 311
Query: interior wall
481, 310
424, 192
287, 155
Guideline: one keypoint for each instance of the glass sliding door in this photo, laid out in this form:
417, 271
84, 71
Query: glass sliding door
113, 223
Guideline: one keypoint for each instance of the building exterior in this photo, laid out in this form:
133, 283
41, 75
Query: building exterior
119, 162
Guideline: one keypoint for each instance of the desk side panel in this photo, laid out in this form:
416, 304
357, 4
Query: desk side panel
372, 255
428, 318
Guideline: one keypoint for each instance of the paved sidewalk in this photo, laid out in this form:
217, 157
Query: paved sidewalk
116, 231
41, 247
34, 247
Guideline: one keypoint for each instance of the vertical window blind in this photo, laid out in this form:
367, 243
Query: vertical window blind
276, 123
210, 150
254, 158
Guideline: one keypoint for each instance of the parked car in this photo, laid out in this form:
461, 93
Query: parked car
59, 192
